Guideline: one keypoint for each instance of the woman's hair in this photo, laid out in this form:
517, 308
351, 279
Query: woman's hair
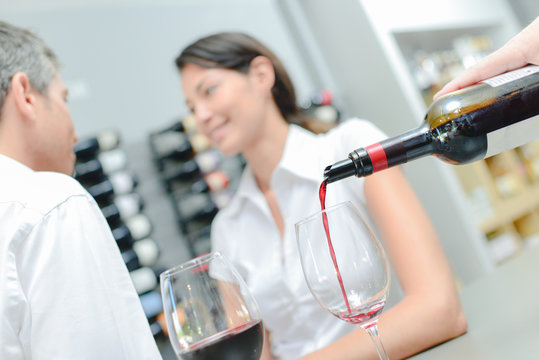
232, 50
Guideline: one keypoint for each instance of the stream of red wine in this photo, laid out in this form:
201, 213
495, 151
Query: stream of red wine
322, 194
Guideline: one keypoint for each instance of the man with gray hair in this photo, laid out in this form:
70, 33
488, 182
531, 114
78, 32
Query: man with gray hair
65, 292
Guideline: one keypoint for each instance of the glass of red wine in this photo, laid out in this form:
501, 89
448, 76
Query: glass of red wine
345, 266
209, 311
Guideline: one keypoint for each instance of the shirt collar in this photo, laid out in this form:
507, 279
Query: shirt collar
12, 166
301, 155
299, 159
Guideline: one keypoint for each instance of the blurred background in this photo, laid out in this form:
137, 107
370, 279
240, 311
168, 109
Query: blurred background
160, 184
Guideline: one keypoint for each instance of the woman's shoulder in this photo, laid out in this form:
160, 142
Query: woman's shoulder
351, 134
357, 128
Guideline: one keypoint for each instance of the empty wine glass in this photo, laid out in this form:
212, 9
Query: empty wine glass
209, 311
345, 267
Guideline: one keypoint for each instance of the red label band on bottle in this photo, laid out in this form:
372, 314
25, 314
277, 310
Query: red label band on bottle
378, 157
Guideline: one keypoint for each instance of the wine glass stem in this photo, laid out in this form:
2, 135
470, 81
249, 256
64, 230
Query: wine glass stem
375, 337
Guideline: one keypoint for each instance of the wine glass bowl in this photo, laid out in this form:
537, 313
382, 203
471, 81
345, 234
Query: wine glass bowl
209, 311
345, 266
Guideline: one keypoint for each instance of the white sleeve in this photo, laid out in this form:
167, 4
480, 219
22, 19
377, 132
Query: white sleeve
348, 136
82, 302
356, 133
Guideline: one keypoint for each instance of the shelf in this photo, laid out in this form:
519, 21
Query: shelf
447, 27
513, 208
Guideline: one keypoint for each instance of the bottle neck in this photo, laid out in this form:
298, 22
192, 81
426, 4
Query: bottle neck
382, 155
393, 151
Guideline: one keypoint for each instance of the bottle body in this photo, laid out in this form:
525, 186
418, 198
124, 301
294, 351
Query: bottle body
467, 125
90, 147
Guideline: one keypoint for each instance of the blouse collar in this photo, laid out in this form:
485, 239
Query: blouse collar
300, 159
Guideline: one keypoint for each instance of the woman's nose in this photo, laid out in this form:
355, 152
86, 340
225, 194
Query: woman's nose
202, 114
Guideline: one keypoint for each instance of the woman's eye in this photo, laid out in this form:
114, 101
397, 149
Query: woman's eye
210, 90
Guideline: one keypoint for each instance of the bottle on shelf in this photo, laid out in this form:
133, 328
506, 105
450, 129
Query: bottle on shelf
144, 279
200, 241
467, 125
122, 207
112, 214
320, 107
135, 228
177, 146
129, 204
202, 163
147, 251
213, 181
123, 237
193, 208
186, 125
139, 226
104, 141
529, 155
157, 330
118, 183
103, 164
101, 192
161, 324
151, 304
131, 260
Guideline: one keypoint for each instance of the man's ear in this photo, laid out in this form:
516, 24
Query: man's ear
24, 96
262, 70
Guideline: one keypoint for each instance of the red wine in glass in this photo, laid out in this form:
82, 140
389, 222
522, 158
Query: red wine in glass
322, 195
363, 314
243, 342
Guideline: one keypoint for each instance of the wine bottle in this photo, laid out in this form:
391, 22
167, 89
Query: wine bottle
105, 163
202, 163
135, 228
130, 259
112, 214
102, 192
213, 181
139, 226
147, 251
129, 204
200, 207
123, 237
157, 330
461, 127
89, 147
118, 183
151, 304
178, 146
320, 107
122, 207
187, 124
144, 279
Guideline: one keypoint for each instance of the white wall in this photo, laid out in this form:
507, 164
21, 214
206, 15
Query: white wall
119, 54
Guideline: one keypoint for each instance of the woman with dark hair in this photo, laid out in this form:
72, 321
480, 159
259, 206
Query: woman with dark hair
245, 103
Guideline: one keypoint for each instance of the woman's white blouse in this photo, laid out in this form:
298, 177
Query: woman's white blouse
245, 232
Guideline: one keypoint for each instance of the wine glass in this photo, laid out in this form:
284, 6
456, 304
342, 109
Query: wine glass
345, 266
209, 311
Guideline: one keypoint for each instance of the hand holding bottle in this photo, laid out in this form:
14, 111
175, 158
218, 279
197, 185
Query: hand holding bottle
520, 50
468, 125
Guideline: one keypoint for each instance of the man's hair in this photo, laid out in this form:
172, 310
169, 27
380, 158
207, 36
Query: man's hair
23, 51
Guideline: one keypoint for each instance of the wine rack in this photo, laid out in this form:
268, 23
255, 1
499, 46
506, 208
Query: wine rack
196, 178
503, 193
103, 169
